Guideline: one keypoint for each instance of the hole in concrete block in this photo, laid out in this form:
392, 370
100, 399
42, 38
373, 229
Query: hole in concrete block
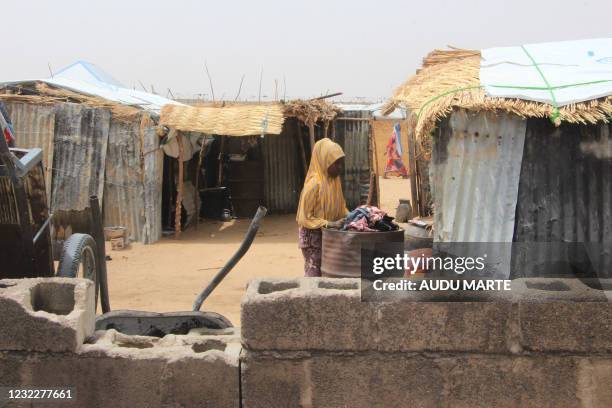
339, 285
137, 344
555, 286
53, 297
6, 285
270, 287
208, 345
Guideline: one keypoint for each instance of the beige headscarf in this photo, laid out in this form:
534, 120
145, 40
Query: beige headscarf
321, 199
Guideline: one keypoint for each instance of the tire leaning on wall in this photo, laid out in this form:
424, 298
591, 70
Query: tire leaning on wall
78, 259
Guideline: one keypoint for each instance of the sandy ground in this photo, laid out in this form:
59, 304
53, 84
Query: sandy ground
168, 275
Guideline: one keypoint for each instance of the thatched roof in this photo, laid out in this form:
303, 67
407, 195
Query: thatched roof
41, 93
450, 79
232, 120
311, 111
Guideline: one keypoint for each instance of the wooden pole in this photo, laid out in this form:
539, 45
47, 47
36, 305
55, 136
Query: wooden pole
333, 130
298, 132
179, 195
197, 178
326, 129
221, 151
311, 134
412, 165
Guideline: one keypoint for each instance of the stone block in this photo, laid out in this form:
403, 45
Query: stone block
116, 370
566, 326
46, 314
339, 380
510, 381
595, 382
327, 314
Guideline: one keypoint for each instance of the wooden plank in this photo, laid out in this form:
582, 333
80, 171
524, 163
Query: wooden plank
412, 166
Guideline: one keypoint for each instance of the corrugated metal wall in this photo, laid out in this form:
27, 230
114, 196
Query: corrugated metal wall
81, 139
565, 195
354, 137
34, 126
132, 193
475, 170
86, 152
282, 182
123, 187
153, 180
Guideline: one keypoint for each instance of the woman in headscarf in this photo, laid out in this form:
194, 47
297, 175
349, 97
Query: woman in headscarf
322, 203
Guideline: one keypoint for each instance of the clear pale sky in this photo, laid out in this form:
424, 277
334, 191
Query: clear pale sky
363, 49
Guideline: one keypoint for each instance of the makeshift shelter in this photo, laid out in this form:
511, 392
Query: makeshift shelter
519, 168
98, 138
265, 150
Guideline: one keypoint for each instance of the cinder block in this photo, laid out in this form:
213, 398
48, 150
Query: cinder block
300, 315
479, 327
595, 382
136, 371
46, 314
327, 314
566, 326
510, 381
340, 380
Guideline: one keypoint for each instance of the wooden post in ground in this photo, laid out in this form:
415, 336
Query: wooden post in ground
221, 151
298, 132
412, 165
197, 178
179, 195
311, 134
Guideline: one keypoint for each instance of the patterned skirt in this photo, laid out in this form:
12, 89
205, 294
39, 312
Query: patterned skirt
310, 242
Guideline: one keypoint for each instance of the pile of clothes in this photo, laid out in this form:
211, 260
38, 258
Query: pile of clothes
369, 219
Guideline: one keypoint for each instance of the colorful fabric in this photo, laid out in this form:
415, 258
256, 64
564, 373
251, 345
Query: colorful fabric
394, 154
311, 243
321, 199
368, 219
9, 134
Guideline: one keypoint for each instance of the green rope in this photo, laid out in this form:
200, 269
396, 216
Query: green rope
555, 114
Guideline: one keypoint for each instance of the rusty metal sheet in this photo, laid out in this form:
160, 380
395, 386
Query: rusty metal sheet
123, 186
475, 170
354, 137
81, 139
152, 184
34, 126
565, 196
281, 172
133, 180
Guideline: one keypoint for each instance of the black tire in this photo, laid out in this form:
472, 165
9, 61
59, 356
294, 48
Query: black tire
79, 259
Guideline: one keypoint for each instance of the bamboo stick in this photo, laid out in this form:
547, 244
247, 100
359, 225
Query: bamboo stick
179, 195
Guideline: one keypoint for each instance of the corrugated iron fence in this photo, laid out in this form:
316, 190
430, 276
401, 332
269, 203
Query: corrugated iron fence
87, 152
353, 133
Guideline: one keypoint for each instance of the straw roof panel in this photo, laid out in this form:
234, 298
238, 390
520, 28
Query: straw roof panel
451, 79
235, 120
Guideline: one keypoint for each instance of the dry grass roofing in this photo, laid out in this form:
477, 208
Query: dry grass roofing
233, 120
250, 119
450, 79
41, 93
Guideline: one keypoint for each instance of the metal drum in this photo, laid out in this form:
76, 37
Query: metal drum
341, 257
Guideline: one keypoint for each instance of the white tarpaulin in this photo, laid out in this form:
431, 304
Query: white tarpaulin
558, 73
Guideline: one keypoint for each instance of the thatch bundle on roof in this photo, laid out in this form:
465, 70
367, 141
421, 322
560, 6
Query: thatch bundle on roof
311, 111
451, 79
233, 120
42, 93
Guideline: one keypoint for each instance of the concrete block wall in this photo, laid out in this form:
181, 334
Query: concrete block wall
48, 340
313, 343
